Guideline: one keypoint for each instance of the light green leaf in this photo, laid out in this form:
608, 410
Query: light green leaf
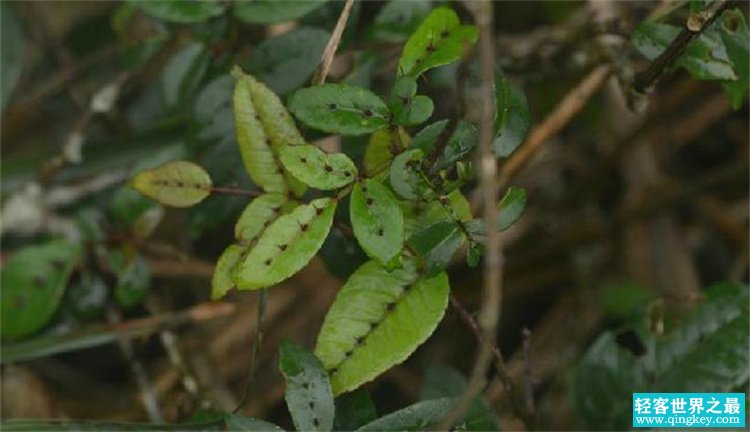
263, 127
436, 245
12, 47
223, 280
381, 147
512, 119
439, 40
406, 177
308, 392
287, 245
176, 184
418, 417
377, 220
273, 11
286, 62
407, 108
339, 108
377, 320
180, 11
32, 282
183, 73
317, 169
419, 214
258, 215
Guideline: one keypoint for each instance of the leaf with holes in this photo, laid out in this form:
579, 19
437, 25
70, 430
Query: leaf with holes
223, 280
175, 184
417, 417
407, 107
377, 220
258, 215
377, 320
308, 391
439, 40
32, 283
317, 169
406, 178
381, 147
512, 118
184, 12
273, 11
436, 244
339, 108
263, 127
462, 140
287, 245
510, 208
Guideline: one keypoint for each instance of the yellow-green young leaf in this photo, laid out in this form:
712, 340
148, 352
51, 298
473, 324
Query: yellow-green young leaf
287, 245
381, 147
377, 320
175, 184
317, 169
222, 280
439, 40
258, 215
263, 127
377, 220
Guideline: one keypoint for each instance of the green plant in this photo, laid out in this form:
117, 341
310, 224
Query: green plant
405, 207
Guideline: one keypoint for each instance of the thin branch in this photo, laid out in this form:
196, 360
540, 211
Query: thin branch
333, 44
257, 340
571, 105
694, 26
492, 287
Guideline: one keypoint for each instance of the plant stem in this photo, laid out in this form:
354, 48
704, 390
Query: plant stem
694, 26
333, 44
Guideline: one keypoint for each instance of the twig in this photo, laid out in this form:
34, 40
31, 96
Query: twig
694, 26
492, 287
257, 340
333, 44
573, 103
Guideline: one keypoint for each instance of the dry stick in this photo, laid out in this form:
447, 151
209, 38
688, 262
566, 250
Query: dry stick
694, 26
333, 44
492, 287
562, 114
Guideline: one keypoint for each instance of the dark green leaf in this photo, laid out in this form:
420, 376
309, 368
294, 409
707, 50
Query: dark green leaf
436, 244
354, 410
461, 142
705, 58
406, 178
181, 11
33, 281
237, 422
273, 11
213, 109
12, 46
308, 392
439, 40
512, 118
417, 417
315, 168
377, 320
339, 108
736, 38
419, 214
509, 209
408, 108
474, 254
397, 20
183, 73
286, 62
377, 220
